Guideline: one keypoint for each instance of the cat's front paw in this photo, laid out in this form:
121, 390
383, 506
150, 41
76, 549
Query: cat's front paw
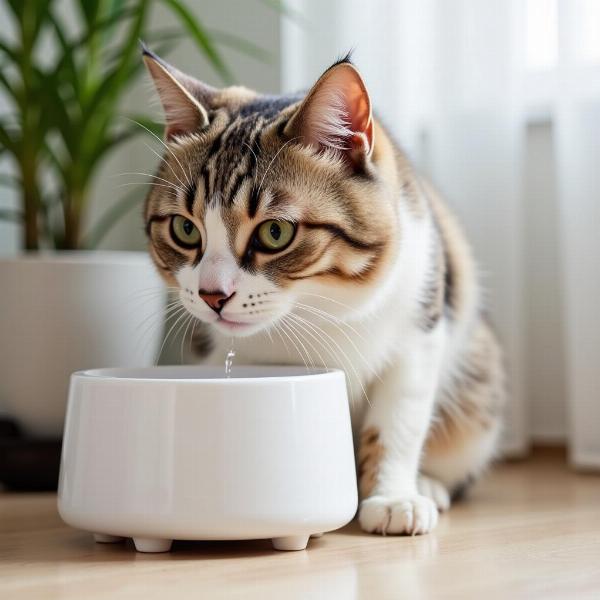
406, 515
435, 490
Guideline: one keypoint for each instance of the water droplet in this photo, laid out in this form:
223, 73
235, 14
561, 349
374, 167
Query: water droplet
229, 359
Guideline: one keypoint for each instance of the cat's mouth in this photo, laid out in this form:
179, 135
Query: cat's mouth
229, 322
230, 326
233, 325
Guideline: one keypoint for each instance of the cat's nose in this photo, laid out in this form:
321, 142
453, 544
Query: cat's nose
216, 300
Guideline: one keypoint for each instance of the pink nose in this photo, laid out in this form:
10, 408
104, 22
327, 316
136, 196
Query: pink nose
216, 300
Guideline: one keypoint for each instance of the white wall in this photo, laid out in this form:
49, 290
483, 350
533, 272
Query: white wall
545, 345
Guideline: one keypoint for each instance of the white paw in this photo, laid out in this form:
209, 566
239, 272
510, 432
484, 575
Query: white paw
435, 490
408, 515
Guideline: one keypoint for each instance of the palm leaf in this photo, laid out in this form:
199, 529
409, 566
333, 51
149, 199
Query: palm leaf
12, 53
67, 60
6, 141
241, 45
109, 89
7, 214
11, 89
110, 217
89, 10
146, 124
287, 11
201, 37
10, 180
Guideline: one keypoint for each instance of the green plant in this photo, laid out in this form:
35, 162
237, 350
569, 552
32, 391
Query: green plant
64, 103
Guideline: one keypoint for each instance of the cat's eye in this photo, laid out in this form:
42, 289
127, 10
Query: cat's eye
184, 232
273, 236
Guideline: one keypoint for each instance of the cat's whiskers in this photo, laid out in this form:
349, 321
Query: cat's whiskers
189, 321
336, 323
333, 321
284, 330
183, 327
315, 350
141, 303
276, 330
154, 288
353, 309
169, 187
182, 315
149, 293
164, 160
168, 150
155, 320
271, 163
195, 322
140, 298
294, 332
327, 340
331, 318
141, 173
255, 160
268, 332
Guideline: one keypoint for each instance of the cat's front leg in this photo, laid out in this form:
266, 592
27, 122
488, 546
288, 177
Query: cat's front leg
392, 439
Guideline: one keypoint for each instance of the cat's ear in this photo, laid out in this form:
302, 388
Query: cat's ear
183, 98
336, 113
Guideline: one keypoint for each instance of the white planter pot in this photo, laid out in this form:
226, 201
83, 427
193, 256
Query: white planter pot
67, 311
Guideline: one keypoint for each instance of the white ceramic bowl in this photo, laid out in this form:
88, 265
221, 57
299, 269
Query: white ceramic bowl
169, 453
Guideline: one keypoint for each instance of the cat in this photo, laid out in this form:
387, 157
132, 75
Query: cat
296, 225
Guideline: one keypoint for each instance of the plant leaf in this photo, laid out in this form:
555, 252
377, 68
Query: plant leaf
201, 37
67, 59
7, 214
145, 123
10, 180
287, 11
12, 53
241, 45
110, 217
7, 141
11, 89
89, 10
110, 88
224, 38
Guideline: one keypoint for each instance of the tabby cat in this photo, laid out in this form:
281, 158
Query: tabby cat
297, 225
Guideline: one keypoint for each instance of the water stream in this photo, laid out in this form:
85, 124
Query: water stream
229, 359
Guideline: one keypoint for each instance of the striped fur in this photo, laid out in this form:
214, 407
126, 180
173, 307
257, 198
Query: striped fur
377, 278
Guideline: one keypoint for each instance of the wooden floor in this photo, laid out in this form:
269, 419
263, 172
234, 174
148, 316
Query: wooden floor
530, 530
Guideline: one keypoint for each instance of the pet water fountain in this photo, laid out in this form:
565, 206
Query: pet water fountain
187, 453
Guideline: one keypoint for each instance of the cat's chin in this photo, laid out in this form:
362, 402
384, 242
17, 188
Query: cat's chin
237, 328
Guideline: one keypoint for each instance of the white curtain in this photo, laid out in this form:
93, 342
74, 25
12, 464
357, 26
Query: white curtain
490, 100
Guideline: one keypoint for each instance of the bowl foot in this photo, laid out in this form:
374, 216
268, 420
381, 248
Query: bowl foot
104, 538
317, 535
152, 544
290, 542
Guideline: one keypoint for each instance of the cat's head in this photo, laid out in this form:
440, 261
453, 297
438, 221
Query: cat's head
267, 205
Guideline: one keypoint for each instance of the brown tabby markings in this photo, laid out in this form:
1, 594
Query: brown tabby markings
474, 402
241, 164
435, 293
370, 454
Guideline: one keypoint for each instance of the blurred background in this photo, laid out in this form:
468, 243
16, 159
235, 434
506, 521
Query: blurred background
498, 102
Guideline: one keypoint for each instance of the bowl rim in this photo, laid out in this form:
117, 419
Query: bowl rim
299, 373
